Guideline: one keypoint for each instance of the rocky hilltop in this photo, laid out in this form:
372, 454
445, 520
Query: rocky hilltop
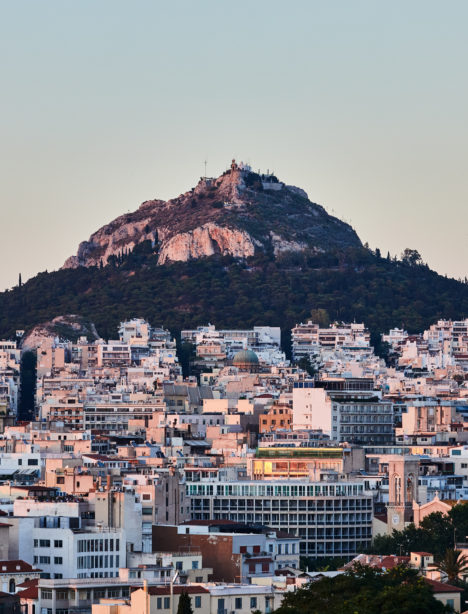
237, 214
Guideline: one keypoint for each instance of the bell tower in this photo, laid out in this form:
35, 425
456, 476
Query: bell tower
403, 474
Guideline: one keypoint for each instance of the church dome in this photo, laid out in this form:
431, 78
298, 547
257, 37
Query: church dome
245, 359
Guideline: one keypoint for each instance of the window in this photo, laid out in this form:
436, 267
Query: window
61, 595
58, 543
46, 594
167, 603
11, 586
58, 560
158, 603
44, 560
253, 602
197, 601
147, 511
44, 543
178, 565
194, 564
238, 603
220, 606
32, 461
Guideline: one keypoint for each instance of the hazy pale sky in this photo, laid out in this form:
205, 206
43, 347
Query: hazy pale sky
104, 104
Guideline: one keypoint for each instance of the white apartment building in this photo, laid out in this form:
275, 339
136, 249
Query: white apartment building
62, 552
395, 337
258, 339
331, 518
345, 409
309, 339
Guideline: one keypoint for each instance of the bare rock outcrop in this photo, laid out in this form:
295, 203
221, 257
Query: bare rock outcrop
64, 328
207, 240
103, 244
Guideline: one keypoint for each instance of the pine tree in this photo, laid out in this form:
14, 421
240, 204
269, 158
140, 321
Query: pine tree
20, 283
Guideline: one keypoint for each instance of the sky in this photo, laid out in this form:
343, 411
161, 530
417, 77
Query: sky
107, 103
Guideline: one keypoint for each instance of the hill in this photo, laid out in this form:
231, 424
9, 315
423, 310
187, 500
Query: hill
238, 250
239, 213
349, 284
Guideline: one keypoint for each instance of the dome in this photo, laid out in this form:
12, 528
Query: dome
245, 358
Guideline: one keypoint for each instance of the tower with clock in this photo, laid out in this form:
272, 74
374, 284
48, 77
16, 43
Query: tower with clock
403, 474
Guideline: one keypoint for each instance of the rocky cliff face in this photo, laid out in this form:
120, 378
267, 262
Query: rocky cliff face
207, 240
236, 214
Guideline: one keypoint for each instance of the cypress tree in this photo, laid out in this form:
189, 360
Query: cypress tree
185, 604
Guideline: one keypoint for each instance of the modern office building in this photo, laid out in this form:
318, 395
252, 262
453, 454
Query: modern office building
332, 518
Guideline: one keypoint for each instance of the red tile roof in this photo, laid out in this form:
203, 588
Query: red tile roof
16, 566
178, 589
388, 562
423, 553
442, 587
28, 583
32, 592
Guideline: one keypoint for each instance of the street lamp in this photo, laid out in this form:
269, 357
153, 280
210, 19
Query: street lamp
173, 579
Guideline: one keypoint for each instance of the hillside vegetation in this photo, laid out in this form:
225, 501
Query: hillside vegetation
349, 284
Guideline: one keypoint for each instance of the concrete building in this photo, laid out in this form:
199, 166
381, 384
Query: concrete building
331, 518
234, 551
346, 409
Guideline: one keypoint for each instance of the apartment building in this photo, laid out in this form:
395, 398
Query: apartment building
309, 339
63, 552
331, 518
346, 409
